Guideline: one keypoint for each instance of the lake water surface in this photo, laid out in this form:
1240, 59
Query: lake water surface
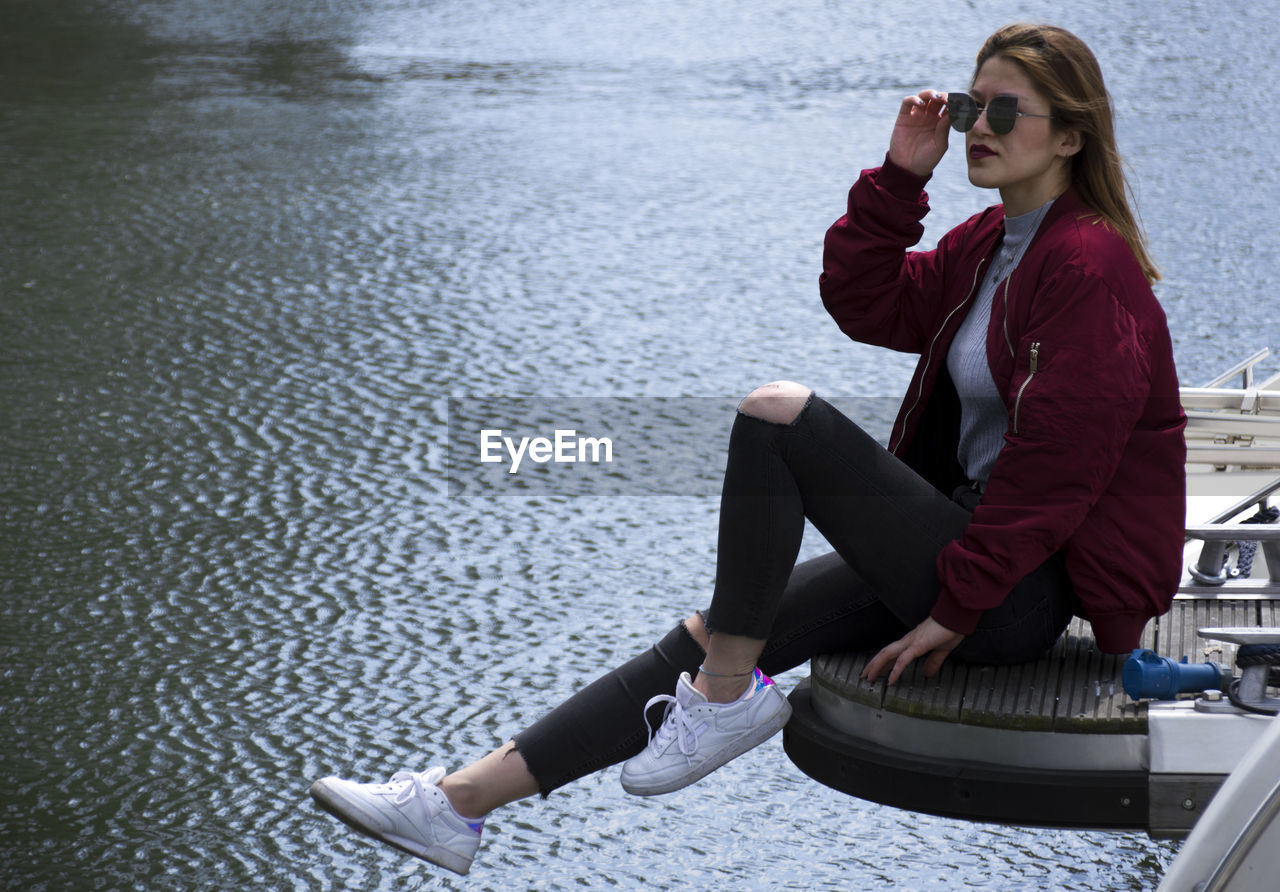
250, 252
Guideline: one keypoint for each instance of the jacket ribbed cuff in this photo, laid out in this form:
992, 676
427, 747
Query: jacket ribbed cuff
900, 182
950, 613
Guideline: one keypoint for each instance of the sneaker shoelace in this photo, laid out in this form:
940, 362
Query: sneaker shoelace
408, 784
675, 723
414, 783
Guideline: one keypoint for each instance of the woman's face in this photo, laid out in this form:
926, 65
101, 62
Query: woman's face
1031, 163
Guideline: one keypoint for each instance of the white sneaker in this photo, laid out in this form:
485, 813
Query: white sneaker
697, 737
411, 813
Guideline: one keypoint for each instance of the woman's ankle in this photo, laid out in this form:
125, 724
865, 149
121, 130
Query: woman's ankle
489, 783
722, 689
726, 670
464, 796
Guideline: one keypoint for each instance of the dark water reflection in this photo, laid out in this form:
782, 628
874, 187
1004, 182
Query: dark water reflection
247, 254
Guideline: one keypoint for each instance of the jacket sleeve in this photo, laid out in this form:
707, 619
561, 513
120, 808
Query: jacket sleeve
877, 290
1080, 382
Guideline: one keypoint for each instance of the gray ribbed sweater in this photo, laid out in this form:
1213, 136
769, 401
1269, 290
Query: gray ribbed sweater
983, 417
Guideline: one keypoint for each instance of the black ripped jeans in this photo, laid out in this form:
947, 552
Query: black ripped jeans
886, 524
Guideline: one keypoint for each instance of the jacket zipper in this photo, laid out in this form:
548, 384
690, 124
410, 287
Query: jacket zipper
929, 354
1033, 362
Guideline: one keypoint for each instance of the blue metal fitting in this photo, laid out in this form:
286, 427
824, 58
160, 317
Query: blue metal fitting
1149, 675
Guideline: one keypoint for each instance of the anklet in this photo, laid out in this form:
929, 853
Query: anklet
702, 670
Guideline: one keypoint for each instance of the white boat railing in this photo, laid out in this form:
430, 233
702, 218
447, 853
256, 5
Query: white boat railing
1235, 429
1244, 369
1246, 400
1234, 426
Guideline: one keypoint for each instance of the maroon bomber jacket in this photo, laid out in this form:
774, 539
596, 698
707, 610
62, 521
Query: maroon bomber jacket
1093, 462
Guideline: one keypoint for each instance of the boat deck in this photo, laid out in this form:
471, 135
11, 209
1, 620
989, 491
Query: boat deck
1052, 743
1073, 688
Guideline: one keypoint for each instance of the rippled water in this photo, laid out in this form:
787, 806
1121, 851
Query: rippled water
247, 254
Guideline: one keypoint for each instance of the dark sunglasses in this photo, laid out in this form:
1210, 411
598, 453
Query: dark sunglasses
1002, 112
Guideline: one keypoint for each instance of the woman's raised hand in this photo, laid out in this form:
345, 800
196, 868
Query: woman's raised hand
920, 134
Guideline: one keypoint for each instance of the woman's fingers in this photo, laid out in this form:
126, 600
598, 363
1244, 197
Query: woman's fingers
898, 655
925, 104
911, 108
905, 659
887, 654
919, 137
930, 637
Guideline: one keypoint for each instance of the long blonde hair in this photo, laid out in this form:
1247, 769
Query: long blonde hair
1064, 69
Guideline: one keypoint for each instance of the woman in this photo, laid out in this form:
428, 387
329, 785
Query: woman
1035, 470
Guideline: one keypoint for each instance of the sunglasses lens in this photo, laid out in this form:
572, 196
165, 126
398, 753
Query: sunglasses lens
1002, 113
962, 111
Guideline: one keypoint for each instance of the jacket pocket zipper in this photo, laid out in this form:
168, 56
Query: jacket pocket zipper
1004, 324
1033, 362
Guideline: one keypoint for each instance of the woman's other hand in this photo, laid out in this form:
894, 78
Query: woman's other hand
920, 134
930, 637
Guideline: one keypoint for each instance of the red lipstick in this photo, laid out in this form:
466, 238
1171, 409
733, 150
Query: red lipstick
978, 150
